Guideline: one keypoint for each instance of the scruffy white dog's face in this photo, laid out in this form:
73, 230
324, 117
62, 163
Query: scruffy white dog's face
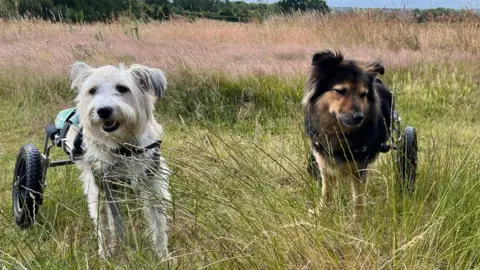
116, 104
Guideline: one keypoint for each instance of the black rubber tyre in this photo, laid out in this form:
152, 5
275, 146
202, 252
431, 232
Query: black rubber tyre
407, 158
27, 187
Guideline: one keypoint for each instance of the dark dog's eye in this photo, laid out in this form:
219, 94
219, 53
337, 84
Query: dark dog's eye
122, 89
340, 91
92, 91
363, 95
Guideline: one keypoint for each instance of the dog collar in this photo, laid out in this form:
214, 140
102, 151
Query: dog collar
361, 149
134, 150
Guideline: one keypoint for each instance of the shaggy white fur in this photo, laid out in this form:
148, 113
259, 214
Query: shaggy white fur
116, 112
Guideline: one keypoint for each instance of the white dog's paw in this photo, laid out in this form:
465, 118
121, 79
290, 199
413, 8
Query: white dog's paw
101, 254
105, 254
162, 252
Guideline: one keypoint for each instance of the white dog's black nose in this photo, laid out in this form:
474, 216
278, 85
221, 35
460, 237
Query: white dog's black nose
105, 112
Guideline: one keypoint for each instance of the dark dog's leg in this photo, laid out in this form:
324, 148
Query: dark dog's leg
358, 192
312, 167
326, 180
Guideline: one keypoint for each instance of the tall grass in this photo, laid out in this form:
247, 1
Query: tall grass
242, 198
278, 46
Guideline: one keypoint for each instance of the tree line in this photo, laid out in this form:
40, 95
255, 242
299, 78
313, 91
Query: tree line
108, 10
445, 15
81, 11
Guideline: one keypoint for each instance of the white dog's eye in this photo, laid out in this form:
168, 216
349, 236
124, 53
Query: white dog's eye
92, 91
122, 89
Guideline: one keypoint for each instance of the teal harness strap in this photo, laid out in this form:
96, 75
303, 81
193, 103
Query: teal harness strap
64, 120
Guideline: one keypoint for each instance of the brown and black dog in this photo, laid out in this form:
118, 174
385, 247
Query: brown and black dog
348, 113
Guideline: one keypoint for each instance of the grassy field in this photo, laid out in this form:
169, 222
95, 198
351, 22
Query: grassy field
234, 139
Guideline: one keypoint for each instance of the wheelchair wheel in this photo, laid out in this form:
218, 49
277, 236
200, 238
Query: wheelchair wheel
27, 187
407, 159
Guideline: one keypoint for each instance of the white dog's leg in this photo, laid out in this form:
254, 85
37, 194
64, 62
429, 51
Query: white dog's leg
110, 238
92, 192
98, 211
115, 223
155, 201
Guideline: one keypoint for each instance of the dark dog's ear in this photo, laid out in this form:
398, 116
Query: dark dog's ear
375, 69
327, 59
78, 74
150, 80
323, 62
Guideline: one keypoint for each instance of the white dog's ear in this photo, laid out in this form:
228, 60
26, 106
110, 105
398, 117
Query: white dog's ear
78, 74
149, 79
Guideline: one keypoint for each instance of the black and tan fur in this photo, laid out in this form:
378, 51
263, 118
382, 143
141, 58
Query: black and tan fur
347, 118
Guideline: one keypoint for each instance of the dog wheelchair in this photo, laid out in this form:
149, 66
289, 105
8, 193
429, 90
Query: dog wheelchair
405, 155
406, 149
31, 167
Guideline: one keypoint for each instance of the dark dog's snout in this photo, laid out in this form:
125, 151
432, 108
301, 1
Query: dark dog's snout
358, 118
105, 112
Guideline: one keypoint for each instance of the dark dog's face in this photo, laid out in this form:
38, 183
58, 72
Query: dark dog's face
340, 91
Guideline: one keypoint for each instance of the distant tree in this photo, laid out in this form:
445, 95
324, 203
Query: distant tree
319, 5
437, 14
165, 12
196, 5
302, 5
157, 2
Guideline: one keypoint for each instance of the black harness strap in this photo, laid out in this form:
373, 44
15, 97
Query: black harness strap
77, 143
342, 154
124, 151
130, 151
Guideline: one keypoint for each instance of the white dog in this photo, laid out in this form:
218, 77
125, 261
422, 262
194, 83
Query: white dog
120, 144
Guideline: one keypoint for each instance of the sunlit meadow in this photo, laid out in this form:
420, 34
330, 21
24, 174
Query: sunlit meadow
242, 198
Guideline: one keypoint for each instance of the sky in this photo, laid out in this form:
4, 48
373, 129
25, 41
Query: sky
398, 3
